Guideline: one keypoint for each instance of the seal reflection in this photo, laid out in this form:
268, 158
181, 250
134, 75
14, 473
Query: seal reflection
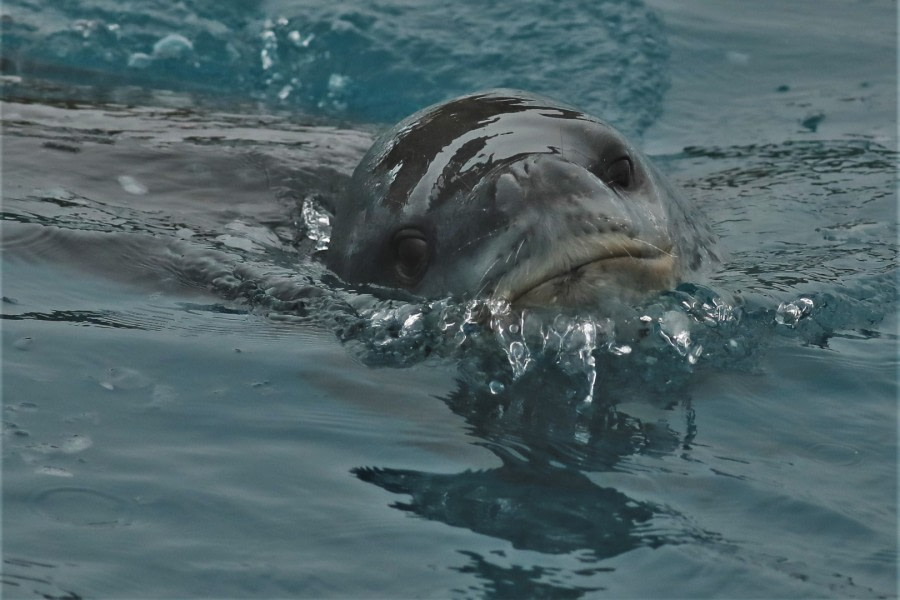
542, 498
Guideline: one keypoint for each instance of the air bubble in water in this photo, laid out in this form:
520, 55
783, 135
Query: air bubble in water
620, 350
269, 49
267, 61
132, 185
337, 83
140, 60
172, 46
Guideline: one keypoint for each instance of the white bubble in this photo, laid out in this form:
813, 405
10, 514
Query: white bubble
737, 58
139, 60
267, 61
54, 471
75, 444
337, 82
132, 185
172, 46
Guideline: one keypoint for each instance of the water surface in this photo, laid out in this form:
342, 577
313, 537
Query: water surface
192, 408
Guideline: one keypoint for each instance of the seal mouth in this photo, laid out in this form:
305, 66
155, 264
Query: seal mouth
590, 269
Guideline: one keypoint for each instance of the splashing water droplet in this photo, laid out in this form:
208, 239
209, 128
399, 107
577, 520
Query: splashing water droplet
675, 328
317, 222
791, 313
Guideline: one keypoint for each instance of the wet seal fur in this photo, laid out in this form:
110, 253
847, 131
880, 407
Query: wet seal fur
518, 198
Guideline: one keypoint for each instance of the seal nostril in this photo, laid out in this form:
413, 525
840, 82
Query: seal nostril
507, 191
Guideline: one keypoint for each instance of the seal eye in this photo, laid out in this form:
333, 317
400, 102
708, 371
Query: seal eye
411, 253
620, 173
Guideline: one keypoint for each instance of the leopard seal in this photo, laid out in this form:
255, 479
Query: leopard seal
512, 196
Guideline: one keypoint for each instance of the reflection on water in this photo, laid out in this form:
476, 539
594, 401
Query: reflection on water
541, 498
518, 582
546, 509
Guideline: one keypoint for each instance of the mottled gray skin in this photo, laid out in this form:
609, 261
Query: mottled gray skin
516, 197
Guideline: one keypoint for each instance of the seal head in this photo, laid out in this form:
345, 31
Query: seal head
515, 197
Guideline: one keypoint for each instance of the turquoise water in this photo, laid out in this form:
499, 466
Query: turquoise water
193, 408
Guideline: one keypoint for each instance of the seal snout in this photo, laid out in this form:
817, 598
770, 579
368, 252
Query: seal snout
575, 237
574, 269
548, 196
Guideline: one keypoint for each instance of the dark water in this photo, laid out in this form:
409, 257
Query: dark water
192, 407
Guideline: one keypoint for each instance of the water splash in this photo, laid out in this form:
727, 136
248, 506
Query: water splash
317, 222
666, 337
675, 328
791, 313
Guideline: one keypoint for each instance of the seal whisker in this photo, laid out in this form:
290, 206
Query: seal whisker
562, 147
486, 235
579, 152
519, 249
646, 243
482, 282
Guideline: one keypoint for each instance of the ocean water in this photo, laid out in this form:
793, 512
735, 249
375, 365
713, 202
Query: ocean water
193, 407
